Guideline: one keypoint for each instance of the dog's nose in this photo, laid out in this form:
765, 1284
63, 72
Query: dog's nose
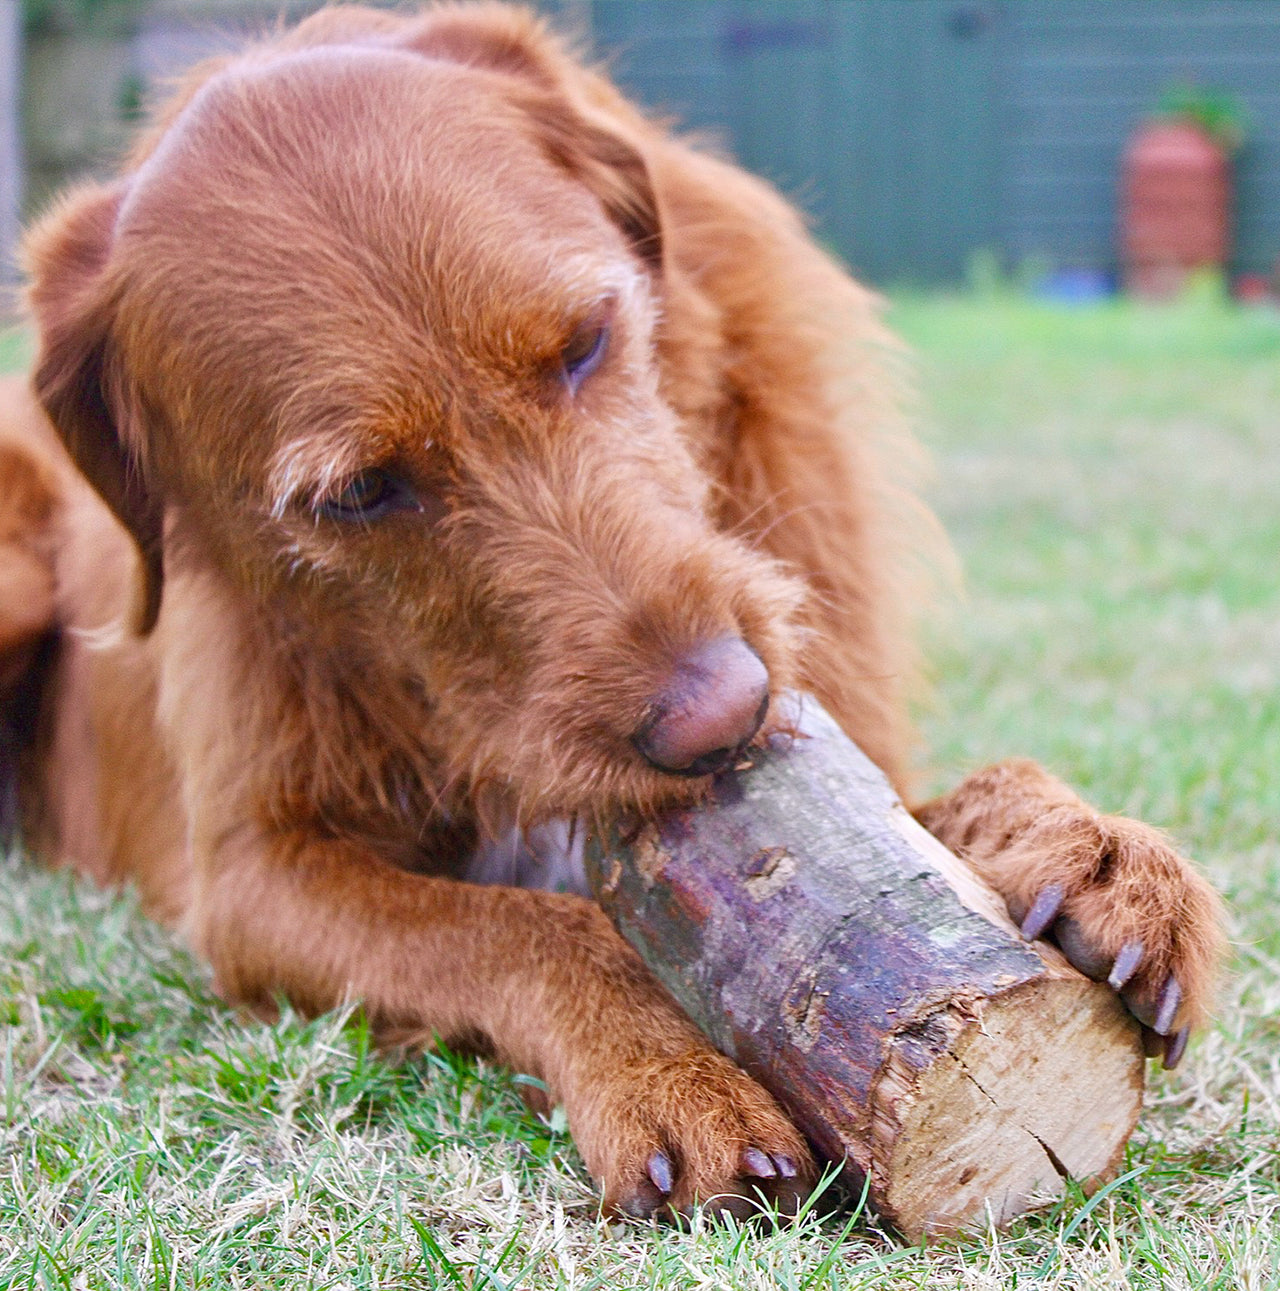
712, 705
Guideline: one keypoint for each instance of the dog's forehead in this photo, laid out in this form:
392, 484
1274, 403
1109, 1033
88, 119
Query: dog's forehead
369, 141
365, 210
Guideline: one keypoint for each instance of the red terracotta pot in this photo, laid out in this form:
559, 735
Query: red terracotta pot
1175, 206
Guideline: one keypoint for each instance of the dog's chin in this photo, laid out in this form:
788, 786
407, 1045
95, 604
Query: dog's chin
599, 794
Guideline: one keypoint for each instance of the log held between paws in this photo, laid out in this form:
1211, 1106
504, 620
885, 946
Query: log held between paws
871, 981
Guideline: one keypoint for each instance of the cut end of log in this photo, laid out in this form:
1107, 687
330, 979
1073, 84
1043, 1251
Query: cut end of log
979, 1116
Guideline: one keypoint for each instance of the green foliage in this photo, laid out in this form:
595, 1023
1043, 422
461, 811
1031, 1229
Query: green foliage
1221, 114
42, 17
987, 277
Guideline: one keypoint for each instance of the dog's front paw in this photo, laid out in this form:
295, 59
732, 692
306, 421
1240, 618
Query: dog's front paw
1124, 908
662, 1135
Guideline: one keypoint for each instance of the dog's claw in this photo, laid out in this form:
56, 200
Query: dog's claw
1167, 1006
1175, 1046
1126, 964
1073, 943
757, 1165
660, 1172
1044, 910
787, 1167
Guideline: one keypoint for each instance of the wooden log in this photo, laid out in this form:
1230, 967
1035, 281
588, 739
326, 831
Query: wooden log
846, 959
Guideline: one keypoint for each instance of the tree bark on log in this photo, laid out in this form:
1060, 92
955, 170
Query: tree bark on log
848, 961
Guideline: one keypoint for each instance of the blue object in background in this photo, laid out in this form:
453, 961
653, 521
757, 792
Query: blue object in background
1075, 286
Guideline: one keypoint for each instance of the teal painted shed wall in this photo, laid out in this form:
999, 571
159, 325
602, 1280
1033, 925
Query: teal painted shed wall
916, 131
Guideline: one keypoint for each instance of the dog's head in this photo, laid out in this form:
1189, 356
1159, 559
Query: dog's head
370, 330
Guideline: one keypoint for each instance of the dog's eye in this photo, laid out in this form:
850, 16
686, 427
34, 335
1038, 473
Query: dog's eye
583, 354
367, 496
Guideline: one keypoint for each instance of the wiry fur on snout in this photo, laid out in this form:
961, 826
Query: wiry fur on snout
594, 584
612, 406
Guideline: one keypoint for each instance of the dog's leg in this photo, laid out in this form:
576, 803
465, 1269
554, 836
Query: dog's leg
539, 979
1117, 898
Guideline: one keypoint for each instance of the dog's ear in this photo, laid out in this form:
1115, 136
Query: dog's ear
81, 388
499, 37
554, 91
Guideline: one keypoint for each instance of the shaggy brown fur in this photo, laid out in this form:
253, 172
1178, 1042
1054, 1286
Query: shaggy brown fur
388, 570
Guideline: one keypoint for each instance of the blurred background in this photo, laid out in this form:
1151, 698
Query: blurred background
930, 140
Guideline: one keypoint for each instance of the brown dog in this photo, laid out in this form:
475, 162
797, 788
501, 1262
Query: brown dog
475, 457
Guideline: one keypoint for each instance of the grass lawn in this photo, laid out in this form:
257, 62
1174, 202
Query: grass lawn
1111, 478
